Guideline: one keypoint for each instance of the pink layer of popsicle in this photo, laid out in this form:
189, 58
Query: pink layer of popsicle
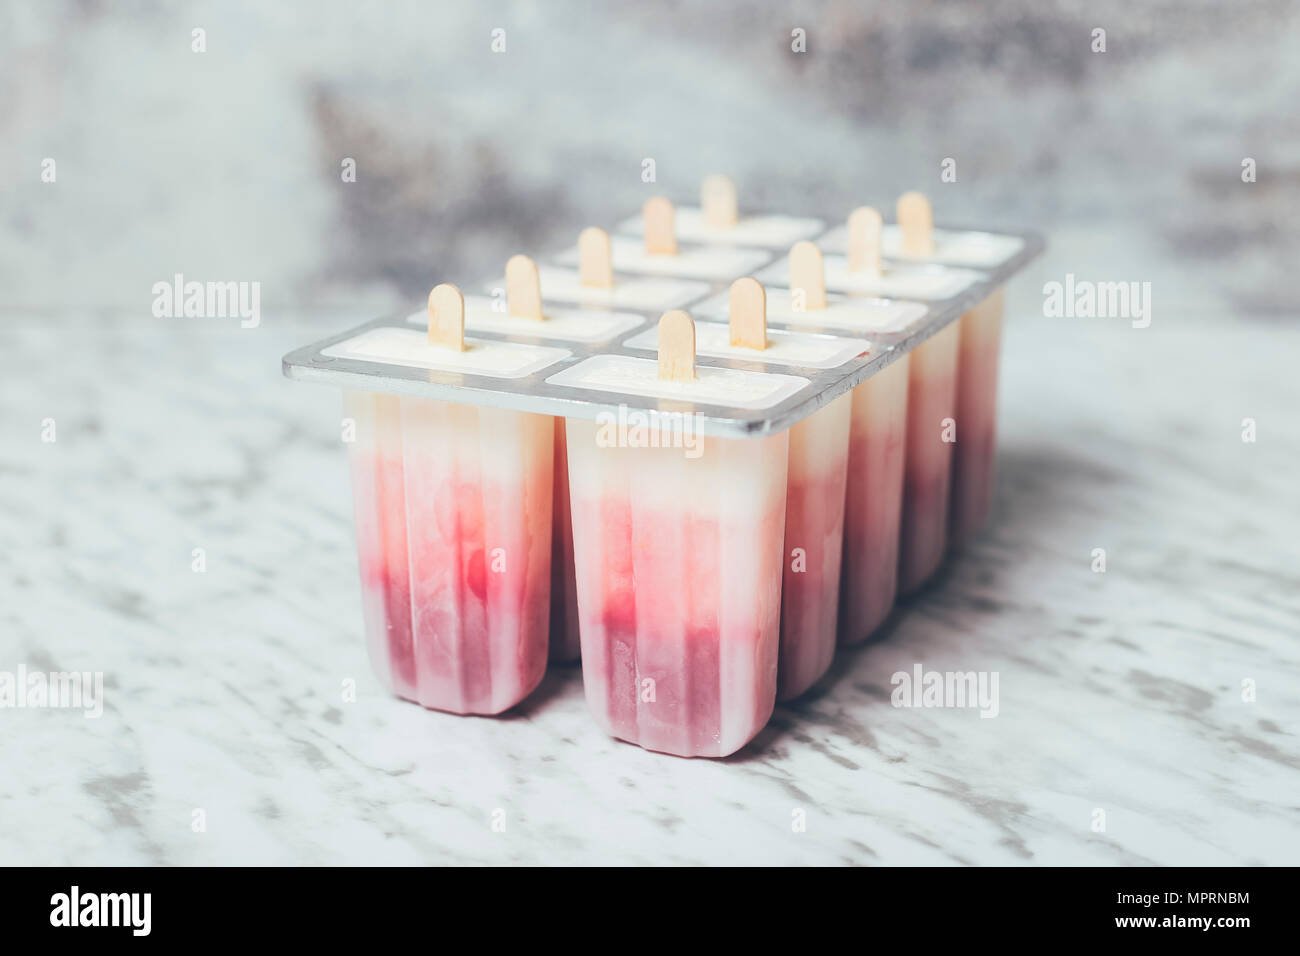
455, 569
565, 644
678, 550
814, 529
873, 502
931, 411
977, 393
672, 659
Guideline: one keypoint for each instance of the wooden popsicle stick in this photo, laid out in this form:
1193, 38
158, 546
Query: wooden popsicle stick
807, 273
748, 314
523, 288
595, 260
676, 347
657, 217
864, 240
916, 222
718, 199
447, 317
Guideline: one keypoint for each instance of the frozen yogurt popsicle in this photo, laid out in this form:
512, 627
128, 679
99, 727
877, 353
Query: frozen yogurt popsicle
931, 418
524, 301
814, 512
977, 395
677, 545
931, 425
521, 311
565, 643
980, 329
453, 519
816, 475
913, 240
874, 486
874, 501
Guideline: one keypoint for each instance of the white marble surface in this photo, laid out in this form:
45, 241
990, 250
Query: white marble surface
1119, 691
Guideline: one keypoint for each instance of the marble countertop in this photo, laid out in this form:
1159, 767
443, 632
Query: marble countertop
1120, 692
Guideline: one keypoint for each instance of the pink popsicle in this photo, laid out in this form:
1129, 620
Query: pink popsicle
678, 566
565, 645
977, 395
931, 422
814, 532
453, 507
874, 501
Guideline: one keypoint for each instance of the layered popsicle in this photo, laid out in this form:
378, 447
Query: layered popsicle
877, 437
453, 520
814, 536
814, 517
524, 306
974, 456
706, 547
927, 474
913, 242
678, 549
931, 389
525, 314
565, 644
874, 502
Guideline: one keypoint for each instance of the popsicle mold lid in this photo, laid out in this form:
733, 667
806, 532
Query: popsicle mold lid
727, 400
926, 282
913, 238
409, 348
711, 386
762, 231
658, 250
564, 323
385, 354
718, 219
563, 285
707, 262
842, 314
965, 248
784, 347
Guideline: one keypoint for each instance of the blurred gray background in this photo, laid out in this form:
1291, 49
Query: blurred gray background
226, 164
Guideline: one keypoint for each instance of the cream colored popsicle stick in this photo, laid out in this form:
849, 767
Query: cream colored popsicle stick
595, 260
864, 240
916, 222
676, 347
718, 199
523, 288
808, 275
657, 215
748, 314
447, 317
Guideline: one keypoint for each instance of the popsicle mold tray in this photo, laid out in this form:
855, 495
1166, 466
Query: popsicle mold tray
571, 363
565, 462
